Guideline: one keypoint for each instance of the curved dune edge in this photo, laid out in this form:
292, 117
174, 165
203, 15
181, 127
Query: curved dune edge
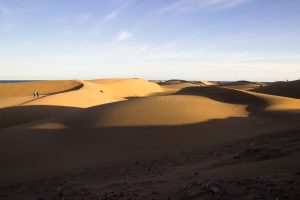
287, 89
123, 88
137, 128
98, 92
17, 115
151, 111
88, 95
278, 103
256, 102
22, 89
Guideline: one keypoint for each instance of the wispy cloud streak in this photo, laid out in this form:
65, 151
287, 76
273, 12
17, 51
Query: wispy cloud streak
111, 16
184, 5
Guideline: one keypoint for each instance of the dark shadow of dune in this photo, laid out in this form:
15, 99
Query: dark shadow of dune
241, 82
28, 154
12, 116
286, 89
133, 97
226, 95
173, 81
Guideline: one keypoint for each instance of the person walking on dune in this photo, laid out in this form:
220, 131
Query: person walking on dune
36, 94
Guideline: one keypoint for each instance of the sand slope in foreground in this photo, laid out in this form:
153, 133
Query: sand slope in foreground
136, 129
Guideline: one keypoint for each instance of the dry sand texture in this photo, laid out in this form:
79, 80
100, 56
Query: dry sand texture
142, 140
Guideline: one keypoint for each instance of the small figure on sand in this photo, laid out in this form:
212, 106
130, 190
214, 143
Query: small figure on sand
36, 94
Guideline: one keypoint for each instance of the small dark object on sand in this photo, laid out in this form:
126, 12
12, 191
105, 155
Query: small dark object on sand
212, 186
101, 91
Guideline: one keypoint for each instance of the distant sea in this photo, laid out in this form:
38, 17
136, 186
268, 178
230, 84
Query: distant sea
16, 81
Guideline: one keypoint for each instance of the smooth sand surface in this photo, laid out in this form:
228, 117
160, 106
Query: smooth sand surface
13, 101
287, 89
90, 93
21, 89
104, 122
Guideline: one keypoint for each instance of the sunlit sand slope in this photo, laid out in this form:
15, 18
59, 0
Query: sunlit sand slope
128, 87
43, 87
88, 95
159, 110
13, 101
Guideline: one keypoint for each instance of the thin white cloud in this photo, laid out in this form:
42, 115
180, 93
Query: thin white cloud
122, 36
111, 16
184, 5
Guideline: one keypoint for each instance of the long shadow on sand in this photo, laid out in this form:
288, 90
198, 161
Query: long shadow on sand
12, 116
30, 153
254, 104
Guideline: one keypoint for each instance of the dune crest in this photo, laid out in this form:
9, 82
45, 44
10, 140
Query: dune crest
22, 89
159, 110
287, 89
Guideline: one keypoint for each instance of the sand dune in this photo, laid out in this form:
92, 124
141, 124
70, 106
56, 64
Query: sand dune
208, 83
28, 109
16, 115
288, 89
242, 85
224, 95
256, 102
160, 110
129, 87
278, 103
43, 87
173, 81
13, 101
114, 120
89, 94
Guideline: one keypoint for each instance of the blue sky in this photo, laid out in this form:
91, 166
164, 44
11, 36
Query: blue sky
256, 40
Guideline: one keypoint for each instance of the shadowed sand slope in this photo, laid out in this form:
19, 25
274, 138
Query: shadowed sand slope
223, 95
278, 103
288, 89
256, 102
242, 85
158, 110
43, 87
82, 133
17, 115
52, 147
